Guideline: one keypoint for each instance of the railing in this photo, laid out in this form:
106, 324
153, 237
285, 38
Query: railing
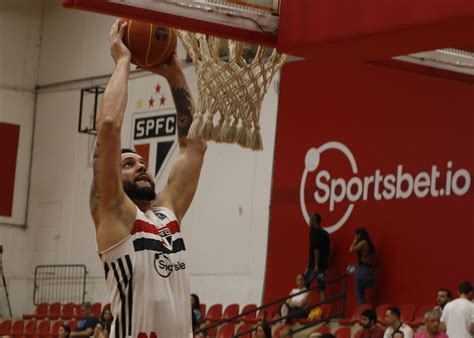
59, 284
341, 313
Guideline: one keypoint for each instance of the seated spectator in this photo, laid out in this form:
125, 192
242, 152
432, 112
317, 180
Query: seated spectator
106, 319
444, 297
196, 312
263, 331
100, 331
64, 332
398, 334
86, 326
432, 326
458, 315
392, 317
296, 307
368, 321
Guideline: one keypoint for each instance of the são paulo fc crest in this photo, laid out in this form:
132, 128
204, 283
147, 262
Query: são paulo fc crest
154, 137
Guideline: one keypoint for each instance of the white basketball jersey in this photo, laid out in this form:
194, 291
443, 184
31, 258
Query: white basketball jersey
148, 281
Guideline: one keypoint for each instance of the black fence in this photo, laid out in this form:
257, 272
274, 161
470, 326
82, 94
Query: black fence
59, 284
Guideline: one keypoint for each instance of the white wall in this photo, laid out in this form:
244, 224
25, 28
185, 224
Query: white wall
19, 60
226, 228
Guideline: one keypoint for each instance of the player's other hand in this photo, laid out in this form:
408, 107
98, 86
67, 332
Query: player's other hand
118, 50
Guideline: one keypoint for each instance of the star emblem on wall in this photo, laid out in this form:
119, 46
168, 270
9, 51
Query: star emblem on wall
157, 88
151, 102
162, 100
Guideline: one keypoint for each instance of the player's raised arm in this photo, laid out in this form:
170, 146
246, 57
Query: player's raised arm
178, 194
109, 205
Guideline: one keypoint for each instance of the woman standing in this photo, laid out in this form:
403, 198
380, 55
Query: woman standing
364, 272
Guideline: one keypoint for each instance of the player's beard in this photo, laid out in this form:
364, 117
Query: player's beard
135, 193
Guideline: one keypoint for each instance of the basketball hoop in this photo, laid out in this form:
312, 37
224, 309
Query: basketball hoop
231, 91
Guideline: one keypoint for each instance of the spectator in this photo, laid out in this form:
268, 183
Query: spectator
392, 317
458, 315
296, 307
263, 331
64, 331
100, 331
196, 312
86, 326
398, 334
432, 326
106, 318
364, 271
368, 321
319, 248
443, 298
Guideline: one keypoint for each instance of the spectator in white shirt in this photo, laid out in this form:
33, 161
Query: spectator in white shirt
392, 317
296, 307
458, 315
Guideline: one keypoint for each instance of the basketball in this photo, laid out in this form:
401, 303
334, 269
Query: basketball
149, 44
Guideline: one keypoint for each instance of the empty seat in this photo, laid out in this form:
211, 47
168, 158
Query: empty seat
355, 315
214, 313
96, 309
420, 315
30, 327
325, 313
323, 329
5, 327
381, 310
262, 313
78, 311
277, 331
40, 312
230, 311
54, 311
55, 327
67, 311
43, 327
251, 315
72, 324
343, 332
17, 328
244, 328
226, 331
407, 312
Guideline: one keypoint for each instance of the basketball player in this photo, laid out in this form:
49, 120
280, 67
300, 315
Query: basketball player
138, 233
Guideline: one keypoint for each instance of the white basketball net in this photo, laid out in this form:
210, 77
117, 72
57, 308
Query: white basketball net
230, 92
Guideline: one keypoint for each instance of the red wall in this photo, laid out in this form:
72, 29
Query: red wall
386, 118
9, 138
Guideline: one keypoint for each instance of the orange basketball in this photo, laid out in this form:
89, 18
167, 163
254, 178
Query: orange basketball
150, 44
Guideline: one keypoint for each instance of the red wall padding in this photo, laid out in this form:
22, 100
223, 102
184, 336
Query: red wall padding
386, 118
9, 139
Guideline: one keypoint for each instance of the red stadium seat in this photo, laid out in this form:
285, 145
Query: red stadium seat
343, 332
323, 329
407, 312
43, 327
243, 328
30, 328
277, 331
420, 315
325, 313
40, 312
226, 331
55, 327
54, 311
17, 328
107, 306
381, 310
355, 316
72, 324
96, 309
261, 315
230, 311
5, 327
202, 307
78, 314
67, 312
251, 315
214, 313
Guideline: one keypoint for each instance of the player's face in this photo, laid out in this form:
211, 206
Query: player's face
137, 180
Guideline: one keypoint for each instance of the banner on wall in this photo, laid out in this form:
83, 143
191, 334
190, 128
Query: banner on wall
390, 151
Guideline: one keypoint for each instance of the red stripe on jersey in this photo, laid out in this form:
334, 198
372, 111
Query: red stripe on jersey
142, 226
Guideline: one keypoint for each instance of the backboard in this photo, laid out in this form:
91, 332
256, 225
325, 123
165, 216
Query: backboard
252, 21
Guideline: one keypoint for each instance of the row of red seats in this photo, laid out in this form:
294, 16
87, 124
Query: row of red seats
66, 311
32, 328
409, 314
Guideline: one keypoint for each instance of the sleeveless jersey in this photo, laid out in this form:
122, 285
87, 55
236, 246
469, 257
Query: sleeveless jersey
148, 281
